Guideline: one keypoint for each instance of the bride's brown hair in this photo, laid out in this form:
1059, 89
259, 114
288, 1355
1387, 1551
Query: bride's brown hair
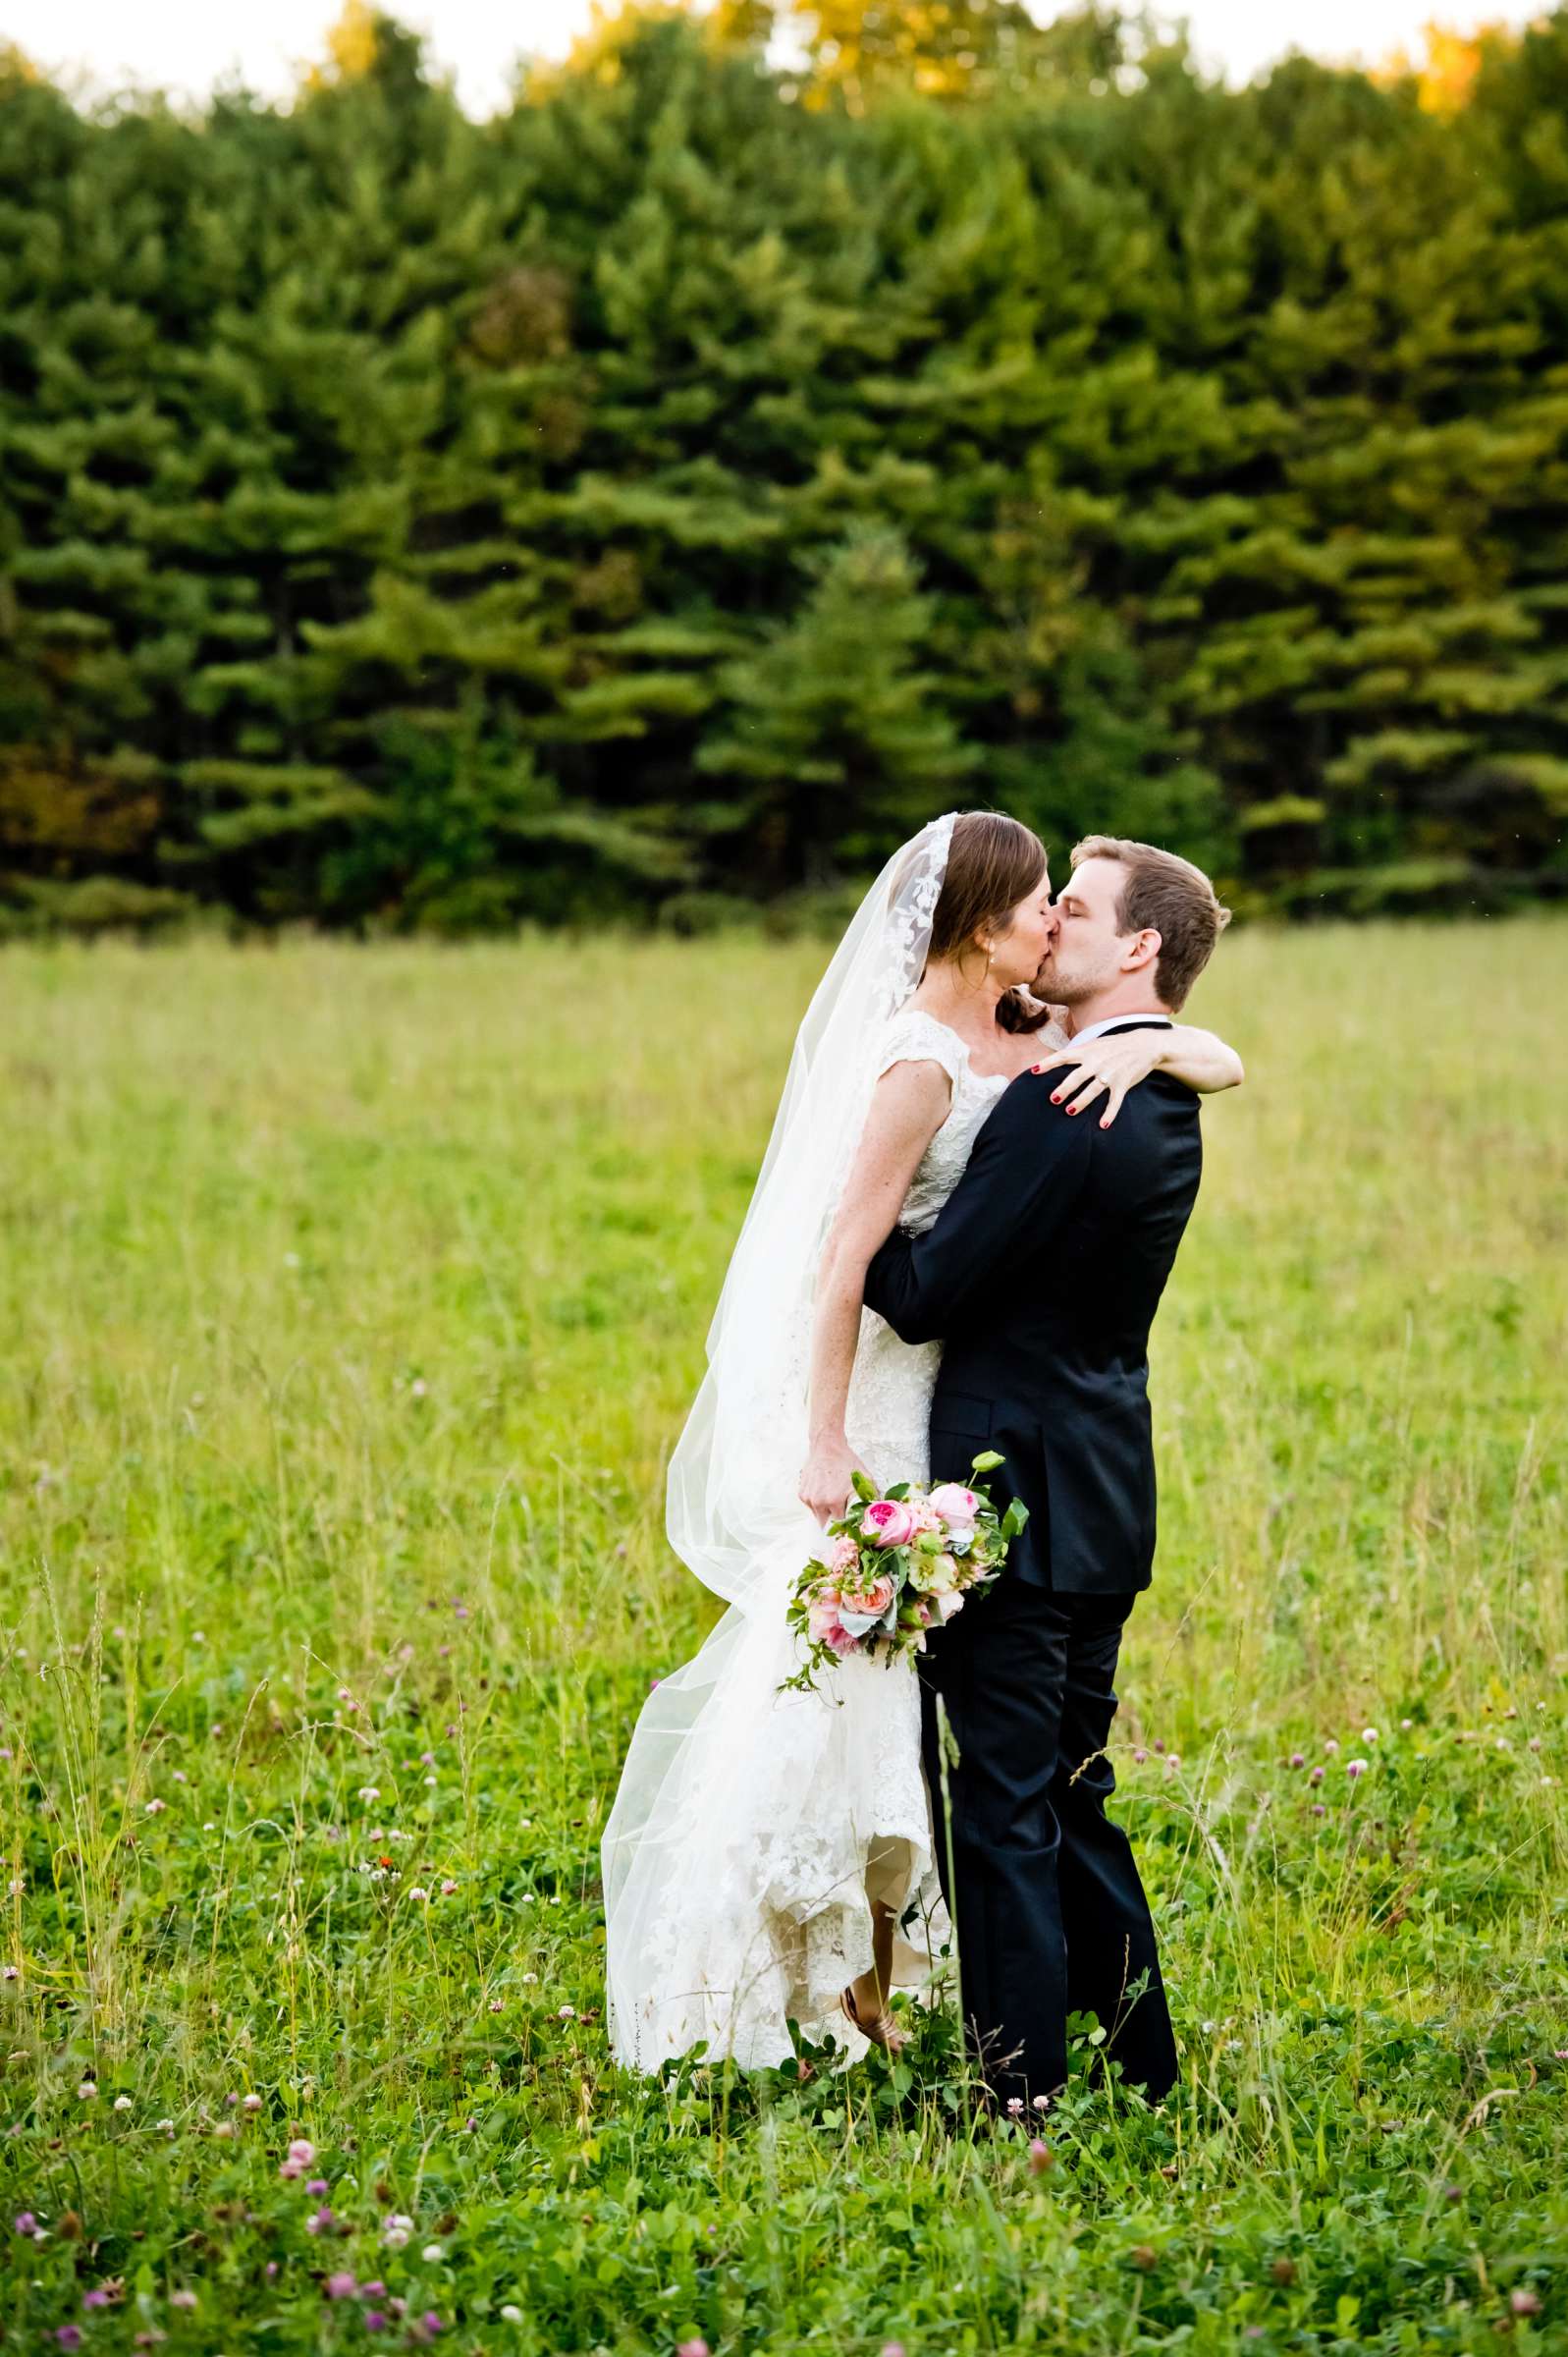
993, 863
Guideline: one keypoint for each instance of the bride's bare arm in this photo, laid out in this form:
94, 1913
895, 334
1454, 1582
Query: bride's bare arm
1119, 1060
910, 1103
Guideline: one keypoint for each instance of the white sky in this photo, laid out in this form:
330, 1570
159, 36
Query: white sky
186, 45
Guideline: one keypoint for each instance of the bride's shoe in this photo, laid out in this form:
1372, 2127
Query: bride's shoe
882, 2029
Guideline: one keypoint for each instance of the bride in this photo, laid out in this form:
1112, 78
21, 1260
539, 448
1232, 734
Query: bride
770, 1857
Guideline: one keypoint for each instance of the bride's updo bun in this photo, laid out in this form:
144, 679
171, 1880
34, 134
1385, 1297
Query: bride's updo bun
993, 863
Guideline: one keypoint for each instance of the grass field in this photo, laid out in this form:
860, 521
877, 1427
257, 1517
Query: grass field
351, 1301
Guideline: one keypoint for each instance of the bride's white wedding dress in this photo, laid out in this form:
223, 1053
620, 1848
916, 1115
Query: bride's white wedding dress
793, 1811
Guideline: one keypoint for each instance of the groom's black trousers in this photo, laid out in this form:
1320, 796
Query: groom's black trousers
1042, 1887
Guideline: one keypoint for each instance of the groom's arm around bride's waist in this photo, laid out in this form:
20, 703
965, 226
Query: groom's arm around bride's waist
1029, 1166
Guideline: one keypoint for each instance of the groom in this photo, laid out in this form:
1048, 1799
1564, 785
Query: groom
1041, 1276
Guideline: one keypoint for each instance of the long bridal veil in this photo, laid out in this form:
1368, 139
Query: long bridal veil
708, 1846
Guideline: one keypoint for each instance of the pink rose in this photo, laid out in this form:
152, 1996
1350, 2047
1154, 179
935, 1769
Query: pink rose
954, 1504
843, 1554
875, 1598
888, 1523
949, 1604
826, 1627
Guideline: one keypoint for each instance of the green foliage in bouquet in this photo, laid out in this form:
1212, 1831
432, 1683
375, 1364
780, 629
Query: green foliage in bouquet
896, 1564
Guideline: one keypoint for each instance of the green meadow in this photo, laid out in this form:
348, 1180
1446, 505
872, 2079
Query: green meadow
350, 1303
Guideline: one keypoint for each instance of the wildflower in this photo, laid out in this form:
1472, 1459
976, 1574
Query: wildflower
97, 2297
511, 2314
448, 1888
302, 2150
1369, 1734
397, 2231
1524, 2302
1040, 2155
430, 1779
375, 2289
1407, 1722
497, 2004
892, 2348
1332, 1745
1139, 1754
27, 2226
250, 2103
341, 2286
375, 2321
165, 2128
418, 1387
567, 2014
320, 2222
419, 1891
1040, 2102
1014, 2105
291, 2169
691, 2348
1320, 1808
432, 2254
86, 2091
181, 2299
1316, 1776
1298, 1759
155, 1808
317, 2185
12, 1974
370, 1792
123, 2102
69, 2335
1355, 1767
429, 2325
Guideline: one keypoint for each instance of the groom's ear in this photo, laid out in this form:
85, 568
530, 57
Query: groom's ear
1143, 952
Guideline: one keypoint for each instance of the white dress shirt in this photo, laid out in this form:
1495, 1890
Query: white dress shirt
1110, 1022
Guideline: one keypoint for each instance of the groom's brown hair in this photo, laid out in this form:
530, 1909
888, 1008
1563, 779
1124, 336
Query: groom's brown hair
1172, 898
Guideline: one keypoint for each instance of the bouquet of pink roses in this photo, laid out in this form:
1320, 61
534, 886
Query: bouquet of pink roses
894, 1564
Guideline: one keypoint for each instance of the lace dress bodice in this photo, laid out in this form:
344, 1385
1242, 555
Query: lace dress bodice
890, 1391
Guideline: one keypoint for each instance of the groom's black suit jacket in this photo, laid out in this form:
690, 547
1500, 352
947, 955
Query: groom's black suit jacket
1041, 1277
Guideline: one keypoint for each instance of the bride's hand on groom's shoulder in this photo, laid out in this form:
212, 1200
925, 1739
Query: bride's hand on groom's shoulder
1106, 1067
827, 1479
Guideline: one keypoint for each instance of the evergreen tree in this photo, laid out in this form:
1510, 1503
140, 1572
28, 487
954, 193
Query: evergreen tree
830, 729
